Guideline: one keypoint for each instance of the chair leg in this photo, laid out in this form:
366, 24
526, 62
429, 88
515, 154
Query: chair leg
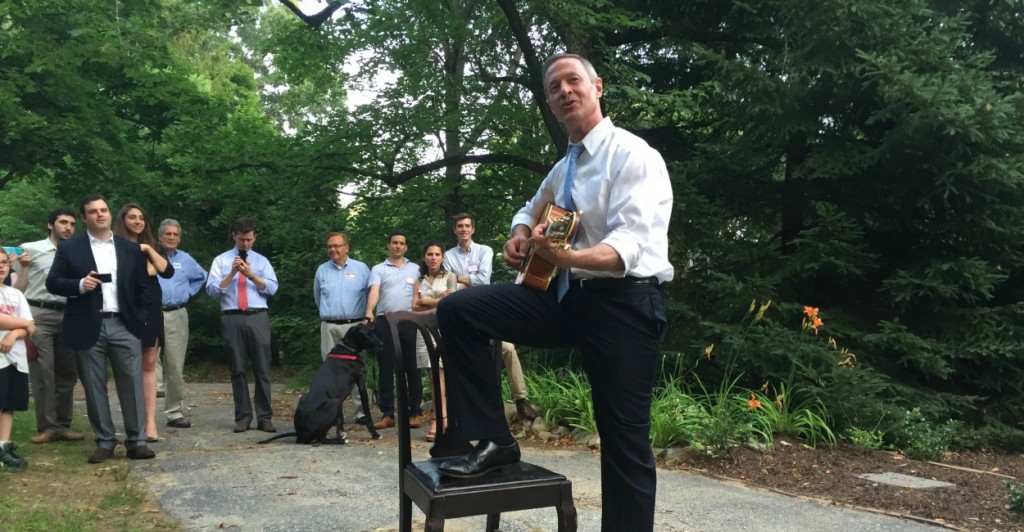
434, 524
567, 519
435, 517
404, 510
493, 522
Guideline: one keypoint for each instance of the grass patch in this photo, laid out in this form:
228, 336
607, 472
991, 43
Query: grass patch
59, 491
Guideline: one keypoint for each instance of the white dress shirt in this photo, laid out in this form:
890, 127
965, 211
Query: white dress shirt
624, 195
105, 255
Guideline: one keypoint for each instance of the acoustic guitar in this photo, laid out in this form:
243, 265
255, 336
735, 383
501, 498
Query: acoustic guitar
538, 272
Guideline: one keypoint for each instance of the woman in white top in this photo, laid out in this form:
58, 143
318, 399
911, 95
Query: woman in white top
434, 283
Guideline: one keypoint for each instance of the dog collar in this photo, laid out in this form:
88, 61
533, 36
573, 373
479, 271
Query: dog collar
343, 357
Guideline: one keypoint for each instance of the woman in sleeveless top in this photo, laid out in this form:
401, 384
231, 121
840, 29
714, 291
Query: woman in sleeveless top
133, 224
434, 283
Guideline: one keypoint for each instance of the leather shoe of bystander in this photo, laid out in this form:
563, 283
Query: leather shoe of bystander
485, 458
141, 452
45, 436
241, 426
525, 411
68, 435
266, 426
386, 422
416, 422
100, 455
179, 423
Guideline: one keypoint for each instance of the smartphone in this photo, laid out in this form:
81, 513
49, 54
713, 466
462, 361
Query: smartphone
243, 254
103, 277
12, 250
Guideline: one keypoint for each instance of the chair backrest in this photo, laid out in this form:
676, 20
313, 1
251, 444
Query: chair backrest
426, 323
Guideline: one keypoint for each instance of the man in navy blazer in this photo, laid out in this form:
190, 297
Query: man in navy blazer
105, 280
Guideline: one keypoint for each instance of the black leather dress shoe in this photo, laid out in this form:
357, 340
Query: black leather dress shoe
485, 458
179, 423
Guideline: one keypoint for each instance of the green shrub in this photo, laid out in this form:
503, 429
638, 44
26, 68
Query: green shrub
1016, 495
872, 439
920, 439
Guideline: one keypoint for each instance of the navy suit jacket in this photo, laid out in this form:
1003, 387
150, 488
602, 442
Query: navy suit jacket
82, 320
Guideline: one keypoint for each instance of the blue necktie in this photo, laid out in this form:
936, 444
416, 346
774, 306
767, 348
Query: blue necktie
575, 150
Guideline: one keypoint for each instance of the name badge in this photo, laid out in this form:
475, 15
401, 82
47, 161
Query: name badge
410, 281
177, 265
350, 276
473, 268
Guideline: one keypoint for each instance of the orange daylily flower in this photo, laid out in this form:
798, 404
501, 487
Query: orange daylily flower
815, 323
810, 312
753, 402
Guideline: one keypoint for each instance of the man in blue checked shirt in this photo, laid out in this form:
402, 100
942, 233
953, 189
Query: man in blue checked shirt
339, 290
188, 279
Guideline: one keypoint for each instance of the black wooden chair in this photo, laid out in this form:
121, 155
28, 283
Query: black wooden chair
521, 487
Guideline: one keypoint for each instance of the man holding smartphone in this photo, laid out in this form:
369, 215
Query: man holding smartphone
242, 280
106, 284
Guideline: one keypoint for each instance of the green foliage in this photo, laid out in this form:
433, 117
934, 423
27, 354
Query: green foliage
676, 417
1016, 495
791, 413
725, 420
869, 439
563, 397
864, 157
921, 439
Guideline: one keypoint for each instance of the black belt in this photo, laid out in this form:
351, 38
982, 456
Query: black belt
245, 312
174, 307
344, 322
46, 304
106, 315
609, 283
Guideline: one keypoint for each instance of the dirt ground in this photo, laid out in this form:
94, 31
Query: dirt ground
979, 500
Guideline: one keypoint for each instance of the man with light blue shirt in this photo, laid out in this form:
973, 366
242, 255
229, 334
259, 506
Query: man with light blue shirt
242, 280
188, 279
340, 289
391, 285
473, 262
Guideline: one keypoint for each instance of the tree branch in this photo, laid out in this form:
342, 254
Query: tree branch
392, 179
317, 20
533, 66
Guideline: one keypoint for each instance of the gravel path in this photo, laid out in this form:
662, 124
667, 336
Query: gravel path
209, 478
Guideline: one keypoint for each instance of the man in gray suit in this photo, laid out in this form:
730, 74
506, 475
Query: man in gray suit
105, 280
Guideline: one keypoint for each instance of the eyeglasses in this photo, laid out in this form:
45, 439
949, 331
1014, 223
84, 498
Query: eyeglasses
338, 247
5, 263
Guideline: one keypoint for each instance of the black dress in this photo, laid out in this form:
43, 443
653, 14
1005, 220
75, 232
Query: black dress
154, 334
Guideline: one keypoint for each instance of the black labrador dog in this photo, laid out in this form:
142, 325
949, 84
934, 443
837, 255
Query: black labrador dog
322, 408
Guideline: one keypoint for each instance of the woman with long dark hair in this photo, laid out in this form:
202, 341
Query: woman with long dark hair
434, 283
133, 224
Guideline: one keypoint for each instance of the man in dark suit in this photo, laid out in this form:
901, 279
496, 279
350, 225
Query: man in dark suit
105, 280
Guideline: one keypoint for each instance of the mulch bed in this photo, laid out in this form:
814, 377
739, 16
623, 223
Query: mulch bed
979, 499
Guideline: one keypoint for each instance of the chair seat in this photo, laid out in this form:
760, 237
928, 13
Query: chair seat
523, 486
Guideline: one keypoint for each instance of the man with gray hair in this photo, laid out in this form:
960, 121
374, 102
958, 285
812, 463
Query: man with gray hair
188, 279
